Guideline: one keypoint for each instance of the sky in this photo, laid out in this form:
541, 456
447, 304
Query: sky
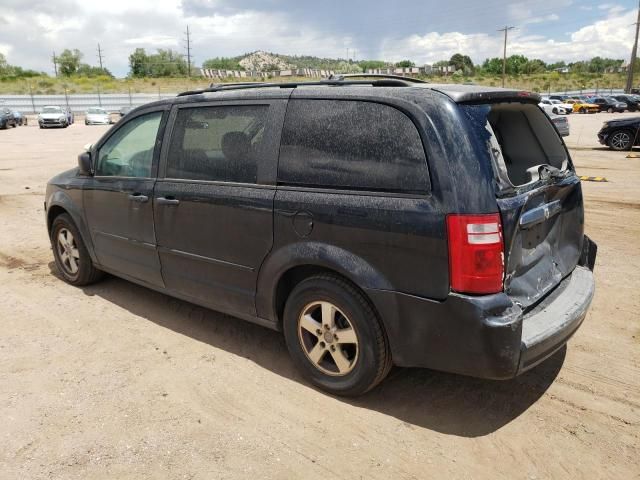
424, 31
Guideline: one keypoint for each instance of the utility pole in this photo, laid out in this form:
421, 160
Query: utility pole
55, 64
188, 52
634, 51
504, 52
100, 56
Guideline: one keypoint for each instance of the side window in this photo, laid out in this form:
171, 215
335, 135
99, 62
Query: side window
129, 151
221, 143
351, 145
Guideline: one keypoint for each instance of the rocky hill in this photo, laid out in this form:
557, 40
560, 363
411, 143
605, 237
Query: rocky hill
263, 61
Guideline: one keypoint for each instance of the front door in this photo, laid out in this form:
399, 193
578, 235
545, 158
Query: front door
214, 206
118, 199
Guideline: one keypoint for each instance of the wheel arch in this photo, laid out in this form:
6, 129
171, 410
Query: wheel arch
60, 203
286, 267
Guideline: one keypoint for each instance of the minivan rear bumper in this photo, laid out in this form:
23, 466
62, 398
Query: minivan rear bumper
485, 336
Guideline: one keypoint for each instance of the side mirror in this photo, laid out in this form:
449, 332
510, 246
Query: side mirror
85, 164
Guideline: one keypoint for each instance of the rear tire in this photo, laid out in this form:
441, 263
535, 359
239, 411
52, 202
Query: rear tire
70, 253
620, 140
334, 336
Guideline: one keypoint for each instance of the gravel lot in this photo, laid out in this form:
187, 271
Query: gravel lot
117, 381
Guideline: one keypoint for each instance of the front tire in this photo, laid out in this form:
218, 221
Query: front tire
609, 110
334, 336
620, 140
70, 253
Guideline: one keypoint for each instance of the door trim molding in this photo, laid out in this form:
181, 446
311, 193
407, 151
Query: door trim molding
202, 258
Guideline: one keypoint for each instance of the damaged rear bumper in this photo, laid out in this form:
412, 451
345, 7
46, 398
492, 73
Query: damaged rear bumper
486, 336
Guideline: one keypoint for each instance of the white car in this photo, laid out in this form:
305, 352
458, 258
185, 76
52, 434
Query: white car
53, 116
557, 106
97, 116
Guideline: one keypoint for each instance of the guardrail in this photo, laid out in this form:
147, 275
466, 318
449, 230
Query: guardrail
79, 103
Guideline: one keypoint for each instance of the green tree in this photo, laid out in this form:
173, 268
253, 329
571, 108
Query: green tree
516, 64
371, 64
462, 63
139, 63
86, 70
535, 66
492, 66
164, 63
69, 62
222, 63
405, 64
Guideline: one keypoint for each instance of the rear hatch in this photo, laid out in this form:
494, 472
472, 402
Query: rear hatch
538, 195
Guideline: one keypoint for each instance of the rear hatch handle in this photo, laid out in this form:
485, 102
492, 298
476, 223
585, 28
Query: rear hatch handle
539, 214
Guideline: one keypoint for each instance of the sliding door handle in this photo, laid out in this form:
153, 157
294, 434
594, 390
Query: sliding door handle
136, 197
167, 201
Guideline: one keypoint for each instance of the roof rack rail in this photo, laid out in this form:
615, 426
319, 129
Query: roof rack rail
342, 76
385, 81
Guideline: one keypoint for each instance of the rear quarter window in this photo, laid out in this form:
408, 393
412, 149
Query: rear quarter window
351, 145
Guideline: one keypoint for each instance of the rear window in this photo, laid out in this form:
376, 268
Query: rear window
521, 139
351, 145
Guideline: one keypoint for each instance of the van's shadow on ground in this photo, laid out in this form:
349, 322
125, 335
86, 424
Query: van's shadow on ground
446, 403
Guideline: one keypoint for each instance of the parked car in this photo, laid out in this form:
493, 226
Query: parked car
621, 133
551, 109
97, 116
560, 98
557, 103
561, 123
632, 102
20, 118
53, 116
608, 104
436, 226
580, 106
7, 119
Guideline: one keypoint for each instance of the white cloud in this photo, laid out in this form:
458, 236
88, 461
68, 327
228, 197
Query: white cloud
610, 37
152, 40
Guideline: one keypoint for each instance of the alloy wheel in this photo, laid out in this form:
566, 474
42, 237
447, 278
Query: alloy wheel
328, 338
620, 140
68, 251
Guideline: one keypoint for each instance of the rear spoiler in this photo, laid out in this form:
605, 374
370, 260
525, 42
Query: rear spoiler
491, 96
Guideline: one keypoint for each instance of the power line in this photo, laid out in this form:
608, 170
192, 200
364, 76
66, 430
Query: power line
188, 52
634, 50
100, 56
504, 52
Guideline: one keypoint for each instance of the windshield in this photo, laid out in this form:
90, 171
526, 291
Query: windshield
51, 110
520, 139
98, 111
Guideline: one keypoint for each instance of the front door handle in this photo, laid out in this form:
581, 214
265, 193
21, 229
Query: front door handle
167, 201
136, 197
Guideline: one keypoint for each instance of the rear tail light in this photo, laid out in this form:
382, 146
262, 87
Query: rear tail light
476, 253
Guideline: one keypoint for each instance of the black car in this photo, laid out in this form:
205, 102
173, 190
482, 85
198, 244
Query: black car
608, 104
375, 222
631, 101
7, 119
620, 134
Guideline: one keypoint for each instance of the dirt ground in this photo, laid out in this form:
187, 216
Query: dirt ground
117, 381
